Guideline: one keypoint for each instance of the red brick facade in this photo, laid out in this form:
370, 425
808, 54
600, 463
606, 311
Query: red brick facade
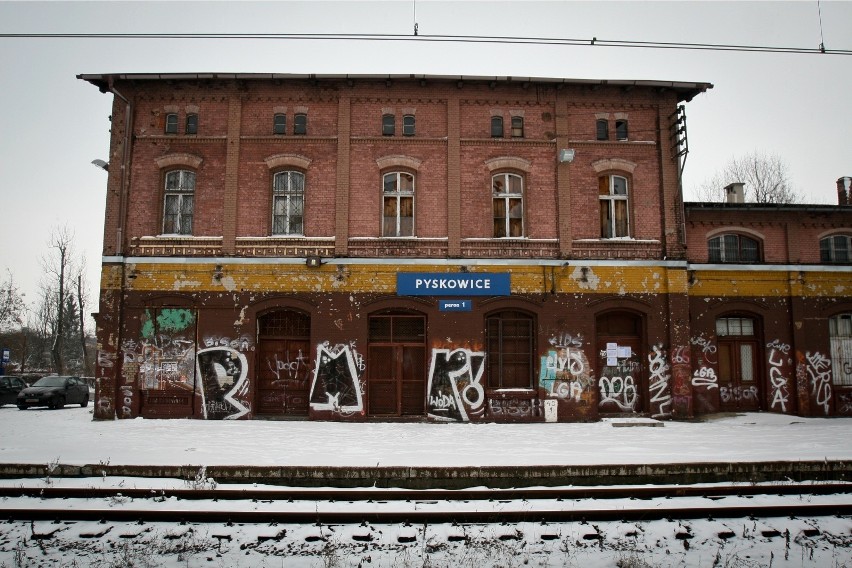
233, 321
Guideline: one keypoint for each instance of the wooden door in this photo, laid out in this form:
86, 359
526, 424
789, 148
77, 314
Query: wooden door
621, 381
283, 364
740, 389
396, 365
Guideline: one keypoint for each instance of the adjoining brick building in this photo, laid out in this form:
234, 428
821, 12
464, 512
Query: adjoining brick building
457, 248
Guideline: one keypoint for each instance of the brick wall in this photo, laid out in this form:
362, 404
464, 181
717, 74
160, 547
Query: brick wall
356, 192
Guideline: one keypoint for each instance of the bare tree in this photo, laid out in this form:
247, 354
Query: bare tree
11, 304
82, 301
765, 177
57, 268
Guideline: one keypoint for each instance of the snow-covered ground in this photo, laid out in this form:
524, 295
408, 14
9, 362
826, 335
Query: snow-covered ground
70, 436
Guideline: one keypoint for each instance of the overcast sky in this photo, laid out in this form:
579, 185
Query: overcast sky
794, 105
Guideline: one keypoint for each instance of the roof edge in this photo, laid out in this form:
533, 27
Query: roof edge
686, 90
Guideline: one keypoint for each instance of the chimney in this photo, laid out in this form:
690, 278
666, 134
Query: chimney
844, 191
736, 192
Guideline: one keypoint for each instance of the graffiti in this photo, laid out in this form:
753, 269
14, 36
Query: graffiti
778, 382
567, 340
707, 348
455, 388
778, 346
705, 377
680, 356
159, 363
738, 394
659, 387
565, 370
242, 343
564, 374
336, 385
126, 402
681, 381
844, 403
167, 320
620, 391
292, 370
224, 386
818, 367
514, 407
106, 359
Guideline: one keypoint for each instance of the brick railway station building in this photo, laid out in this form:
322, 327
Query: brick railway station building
449, 248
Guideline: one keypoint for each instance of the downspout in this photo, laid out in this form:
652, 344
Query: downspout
122, 217
122, 194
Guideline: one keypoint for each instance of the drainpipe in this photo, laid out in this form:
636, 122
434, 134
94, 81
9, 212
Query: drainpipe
125, 158
120, 248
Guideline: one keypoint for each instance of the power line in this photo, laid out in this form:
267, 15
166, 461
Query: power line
506, 40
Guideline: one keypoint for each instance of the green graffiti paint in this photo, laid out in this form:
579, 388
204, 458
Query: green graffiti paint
168, 320
147, 325
174, 319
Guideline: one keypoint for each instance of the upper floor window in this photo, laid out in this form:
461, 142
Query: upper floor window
178, 202
733, 248
408, 125
388, 125
621, 130
602, 129
496, 127
507, 192
613, 194
300, 124
517, 127
840, 338
191, 124
836, 249
398, 204
172, 123
279, 124
288, 203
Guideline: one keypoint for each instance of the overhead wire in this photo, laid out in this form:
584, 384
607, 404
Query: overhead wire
507, 40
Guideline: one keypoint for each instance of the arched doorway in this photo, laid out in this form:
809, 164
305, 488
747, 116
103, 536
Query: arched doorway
396, 364
621, 384
283, 363
737, 339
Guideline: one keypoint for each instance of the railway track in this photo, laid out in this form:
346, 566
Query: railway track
352, 506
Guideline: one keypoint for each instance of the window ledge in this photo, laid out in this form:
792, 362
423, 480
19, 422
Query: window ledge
283, 237
619, 240
176, 236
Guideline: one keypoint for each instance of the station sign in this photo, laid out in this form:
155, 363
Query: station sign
453, 284
455, 305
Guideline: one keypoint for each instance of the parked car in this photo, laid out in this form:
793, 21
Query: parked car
9, 389
54, 392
